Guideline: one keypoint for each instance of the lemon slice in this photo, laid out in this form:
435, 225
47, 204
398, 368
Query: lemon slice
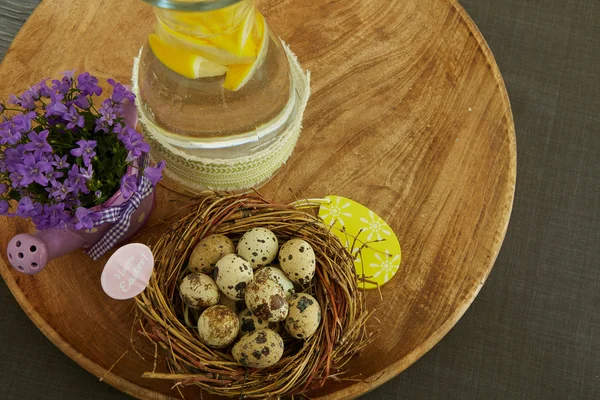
183, 62
238, 75
218, 49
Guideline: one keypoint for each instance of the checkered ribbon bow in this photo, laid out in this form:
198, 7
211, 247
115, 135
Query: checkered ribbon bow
121, 217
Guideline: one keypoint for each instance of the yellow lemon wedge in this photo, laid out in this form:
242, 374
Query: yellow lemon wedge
239, 74
184, 62
220, 50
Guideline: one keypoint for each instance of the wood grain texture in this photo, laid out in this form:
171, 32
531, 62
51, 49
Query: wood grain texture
409, 115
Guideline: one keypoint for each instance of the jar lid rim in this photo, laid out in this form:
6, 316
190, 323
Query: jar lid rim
200, 5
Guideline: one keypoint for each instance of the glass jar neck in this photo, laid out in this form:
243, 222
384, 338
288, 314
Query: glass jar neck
192, 5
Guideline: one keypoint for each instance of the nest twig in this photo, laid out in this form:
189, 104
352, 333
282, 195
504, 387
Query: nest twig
305, 365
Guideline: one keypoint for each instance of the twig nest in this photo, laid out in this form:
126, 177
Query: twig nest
304, 316
218, 326
278, 276
208, 251
232, 275
266, 299
259, 349
258, 246
250, 323
297, 260
199, 291
327, 320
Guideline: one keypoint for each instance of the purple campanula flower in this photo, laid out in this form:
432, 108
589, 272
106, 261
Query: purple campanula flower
26, 101
22, 122
128, 185
98, 194
87, 173
85, 150
88, 84
120, 92
9, 134
16, 179
39, 144
13, 99
45, 91
56, 106
34, 91
107, 113
3, 207
85, 218
13, 156
77, 181
73, 118
54, 216
60, 162
134, 143
25, 207
64, 85
69, 75
82, 102
118, 129
60, 191
33, 170
154, 174
53, 175
3, 188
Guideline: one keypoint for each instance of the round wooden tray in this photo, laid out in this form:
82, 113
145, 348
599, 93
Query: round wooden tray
409, 115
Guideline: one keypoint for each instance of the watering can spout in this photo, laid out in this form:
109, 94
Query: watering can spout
29, 254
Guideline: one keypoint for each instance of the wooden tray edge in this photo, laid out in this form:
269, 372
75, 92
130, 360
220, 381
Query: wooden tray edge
357, 389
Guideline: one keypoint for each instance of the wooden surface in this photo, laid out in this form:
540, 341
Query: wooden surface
408, 115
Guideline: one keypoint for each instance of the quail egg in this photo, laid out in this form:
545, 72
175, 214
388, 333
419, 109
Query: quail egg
250, 322
199, 291
208, 251
218, 326
258, 246
304, 316
259, 349
278, 276
266, 300
297, 260
232, 275
234, 305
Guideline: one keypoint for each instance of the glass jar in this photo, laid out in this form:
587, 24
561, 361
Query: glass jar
217, 92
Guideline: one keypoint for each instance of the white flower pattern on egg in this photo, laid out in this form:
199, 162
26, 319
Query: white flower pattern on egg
387, 265
335, 211
375, 227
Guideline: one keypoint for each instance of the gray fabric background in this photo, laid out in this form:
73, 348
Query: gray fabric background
534, 330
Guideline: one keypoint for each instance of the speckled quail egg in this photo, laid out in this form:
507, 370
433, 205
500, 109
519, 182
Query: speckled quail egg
259, 349
304, 316
218, 326
266, 300
208, 251
250, 323
199, 291
297, 260
232, 275
278, 276
258, 246
234, 305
